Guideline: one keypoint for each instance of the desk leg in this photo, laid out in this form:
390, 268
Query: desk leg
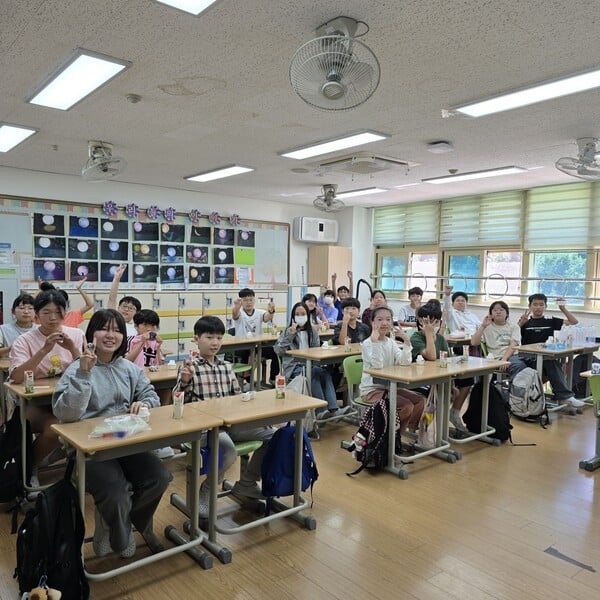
309, 375
259, 374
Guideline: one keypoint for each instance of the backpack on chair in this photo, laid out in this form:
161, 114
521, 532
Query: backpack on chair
526, 397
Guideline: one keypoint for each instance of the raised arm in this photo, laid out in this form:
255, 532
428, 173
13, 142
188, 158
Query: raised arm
571, 319
114, 287
89, 303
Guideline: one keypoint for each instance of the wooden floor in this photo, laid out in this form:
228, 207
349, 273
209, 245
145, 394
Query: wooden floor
478, 529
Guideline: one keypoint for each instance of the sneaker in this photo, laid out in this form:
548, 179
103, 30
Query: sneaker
101, 540
131, 547
152, 542
203, 501
249, 490
343, 411
57, 454
326, 414
166, 452
34, 482
456, 420
574, 402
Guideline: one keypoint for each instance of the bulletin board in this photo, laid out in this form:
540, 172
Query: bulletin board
64, 242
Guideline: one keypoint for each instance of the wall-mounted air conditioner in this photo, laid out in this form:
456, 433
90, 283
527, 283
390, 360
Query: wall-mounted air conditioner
315, 230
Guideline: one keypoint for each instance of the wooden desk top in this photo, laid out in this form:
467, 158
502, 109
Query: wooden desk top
43, 387
320, 353
543, 349
263, 406
240, 340
163, 374
4, 364
430, 370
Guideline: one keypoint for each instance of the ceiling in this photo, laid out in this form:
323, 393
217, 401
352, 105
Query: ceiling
215, 91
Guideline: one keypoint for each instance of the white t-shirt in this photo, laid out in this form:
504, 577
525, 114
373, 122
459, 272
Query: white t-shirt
498, 338
407, 314
246, 323
457, 320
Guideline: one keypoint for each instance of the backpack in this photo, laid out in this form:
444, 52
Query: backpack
370, 445
277, 469
12, 487
526, 396
498, 412
49, 542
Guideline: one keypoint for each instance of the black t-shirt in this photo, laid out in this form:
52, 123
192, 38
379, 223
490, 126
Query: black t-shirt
359, 334
537, 331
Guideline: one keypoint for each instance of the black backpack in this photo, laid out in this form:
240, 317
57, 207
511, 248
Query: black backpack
373, 430
49, 542
498, 412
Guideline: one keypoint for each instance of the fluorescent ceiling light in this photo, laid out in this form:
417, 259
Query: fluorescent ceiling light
406, 185
349, 141
531, 95
13, 135
194, 7
475, 175
219, 173
83, 73
363, 192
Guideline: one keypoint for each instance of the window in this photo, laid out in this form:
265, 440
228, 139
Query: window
424, 270
392, 272
500, 267
463, 267
555, 272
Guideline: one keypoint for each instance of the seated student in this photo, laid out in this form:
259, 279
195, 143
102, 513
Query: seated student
208, 377
249, 320
73, 318
377, 299
458, 318
536, 328
350, 327
380, 350
428, 342
46, 350
326, 302
22, 312
407, 315
128, 305
315, 313
145, 348
343, 292
499, 335
301, 334
101, 382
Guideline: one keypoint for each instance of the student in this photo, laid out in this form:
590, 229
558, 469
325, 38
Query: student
315, 312
428, 342
73, 318
145, 348
377, 299
208, 377
380, 350
22, 312
302, 334
343, 292
536, 328
128, 305
407, 316
499, 335
350, 327
458, 318
248, 320
327, 303
46, 350
102, 382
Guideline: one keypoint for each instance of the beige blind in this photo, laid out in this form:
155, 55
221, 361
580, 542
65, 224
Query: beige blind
491, 220
561, 216
406, 224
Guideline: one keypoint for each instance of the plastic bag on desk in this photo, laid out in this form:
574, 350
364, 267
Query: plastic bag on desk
120, 426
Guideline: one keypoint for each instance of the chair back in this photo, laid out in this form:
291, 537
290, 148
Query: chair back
353, 366
595, 388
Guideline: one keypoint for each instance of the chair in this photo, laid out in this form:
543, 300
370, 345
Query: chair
240, 369
353, 366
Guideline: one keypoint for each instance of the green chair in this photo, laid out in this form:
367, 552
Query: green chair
595, 389
353, 366
240, 369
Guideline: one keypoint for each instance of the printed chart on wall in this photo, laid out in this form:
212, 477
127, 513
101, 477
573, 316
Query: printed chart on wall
71, 242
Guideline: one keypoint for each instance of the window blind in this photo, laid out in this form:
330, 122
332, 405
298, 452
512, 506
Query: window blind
406, 224
482, 221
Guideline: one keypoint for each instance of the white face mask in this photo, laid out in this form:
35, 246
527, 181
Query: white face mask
301, 320
328, 300
436, 330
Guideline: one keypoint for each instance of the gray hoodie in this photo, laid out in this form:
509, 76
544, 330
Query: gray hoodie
108, 389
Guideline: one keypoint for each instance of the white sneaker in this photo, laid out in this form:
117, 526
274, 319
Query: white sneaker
167, 452
203, 501
456, 420
574, 402
131, 547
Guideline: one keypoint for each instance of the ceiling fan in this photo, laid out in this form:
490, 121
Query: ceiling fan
587, 164
101, 164
328, 201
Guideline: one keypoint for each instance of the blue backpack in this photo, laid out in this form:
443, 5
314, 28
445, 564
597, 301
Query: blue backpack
277, 470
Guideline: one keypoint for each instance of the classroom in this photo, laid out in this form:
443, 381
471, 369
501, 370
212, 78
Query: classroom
432, 193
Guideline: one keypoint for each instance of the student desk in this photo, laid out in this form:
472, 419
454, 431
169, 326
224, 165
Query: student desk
163, 379
591, 464
165, 431
254, 343
263, 409
430, 373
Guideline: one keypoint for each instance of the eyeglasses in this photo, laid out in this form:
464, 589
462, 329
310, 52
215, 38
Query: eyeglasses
127, 307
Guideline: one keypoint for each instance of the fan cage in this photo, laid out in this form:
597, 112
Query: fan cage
334, 72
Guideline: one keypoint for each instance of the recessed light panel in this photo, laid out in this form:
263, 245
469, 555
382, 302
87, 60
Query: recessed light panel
219, 173
194, 7
13, 135
361, 192
327, 146
475, 175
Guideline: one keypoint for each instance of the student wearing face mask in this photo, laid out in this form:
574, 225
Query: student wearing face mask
301, 334
327, 303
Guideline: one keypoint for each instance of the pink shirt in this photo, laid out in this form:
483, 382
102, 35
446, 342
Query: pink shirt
55, 362
147, 355
73, 318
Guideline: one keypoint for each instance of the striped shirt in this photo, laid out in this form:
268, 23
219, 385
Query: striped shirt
215, 380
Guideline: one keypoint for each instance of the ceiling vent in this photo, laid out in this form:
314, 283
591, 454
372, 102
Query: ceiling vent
365, 164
